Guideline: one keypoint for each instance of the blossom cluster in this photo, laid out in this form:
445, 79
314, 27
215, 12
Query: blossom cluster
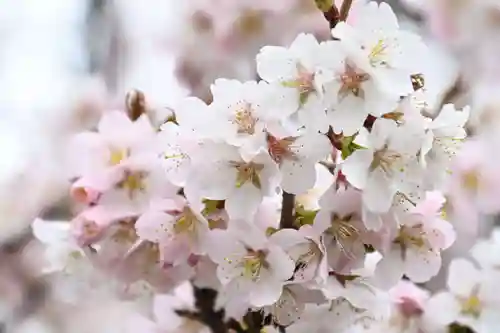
305, 197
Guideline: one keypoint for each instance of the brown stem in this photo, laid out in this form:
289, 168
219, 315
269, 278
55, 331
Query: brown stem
344, 10
287, 211
332, 16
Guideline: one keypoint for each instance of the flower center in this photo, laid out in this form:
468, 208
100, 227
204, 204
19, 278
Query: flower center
470, 180
377, 54
117, 155
253, 262
186, 222
351, 82
133, 183
411, 236
385, 159
280, 149
244, 119
247, 172
304, 82
471, 306
343, 231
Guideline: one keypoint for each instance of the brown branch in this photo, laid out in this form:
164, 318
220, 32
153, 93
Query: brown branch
287, 211
344, 9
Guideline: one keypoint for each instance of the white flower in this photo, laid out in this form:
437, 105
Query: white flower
472, 299
378, 169
350, 93
244, 111
294, 68
297, 157
378, 47
305, 248
220, 173
250, 267
339, 221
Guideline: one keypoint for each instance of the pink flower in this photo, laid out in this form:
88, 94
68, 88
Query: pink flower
415, 250
177, 228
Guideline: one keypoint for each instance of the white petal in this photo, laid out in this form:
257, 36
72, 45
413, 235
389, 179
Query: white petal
281, 265
243, 202
389, 270
441, 309
462, 277
420, 266
276, 63
379, 192
298, 176
266, 292
355, 167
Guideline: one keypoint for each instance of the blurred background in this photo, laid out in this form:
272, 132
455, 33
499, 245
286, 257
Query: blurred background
64, 62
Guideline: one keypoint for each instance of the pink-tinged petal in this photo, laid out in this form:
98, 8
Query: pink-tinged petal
443, 234
421, 265
88, 188
154, 226
355, 167
431, 205
265, 292
115, 125
463, 276
176, 251
87, 153
222, 245
389, 270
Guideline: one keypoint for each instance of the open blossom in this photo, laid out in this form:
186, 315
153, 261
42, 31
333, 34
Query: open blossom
249, 266
471, 299
339, 220
305, 248
178, 230
415, 250
297, 156
223, 174
117, 142
388, 154
380, 49
244, 112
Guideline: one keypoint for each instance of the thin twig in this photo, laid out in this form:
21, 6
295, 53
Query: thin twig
287, 211
344, 9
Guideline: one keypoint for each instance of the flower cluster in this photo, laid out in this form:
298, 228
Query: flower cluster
303, 198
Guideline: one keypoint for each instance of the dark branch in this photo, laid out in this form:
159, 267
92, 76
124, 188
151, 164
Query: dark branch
287, 211
344, 10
